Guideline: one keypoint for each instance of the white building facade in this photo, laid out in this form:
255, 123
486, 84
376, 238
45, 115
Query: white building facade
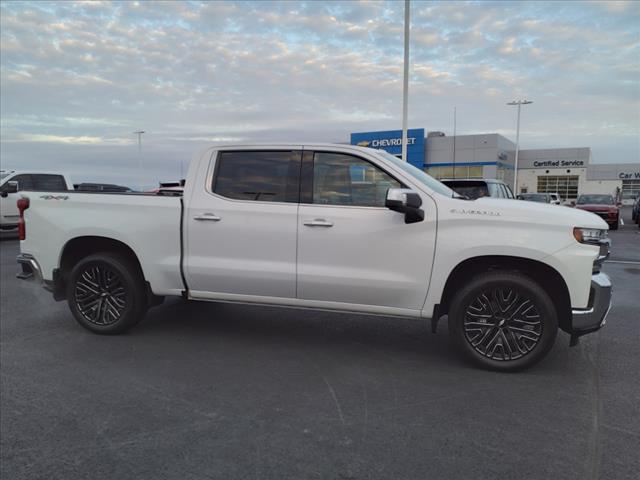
566, 171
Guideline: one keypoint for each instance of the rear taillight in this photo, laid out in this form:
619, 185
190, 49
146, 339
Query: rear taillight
23, 204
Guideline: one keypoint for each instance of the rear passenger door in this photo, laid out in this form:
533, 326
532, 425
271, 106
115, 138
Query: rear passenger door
242, 225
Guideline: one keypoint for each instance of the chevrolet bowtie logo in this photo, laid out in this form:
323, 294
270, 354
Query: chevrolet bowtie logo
364, 143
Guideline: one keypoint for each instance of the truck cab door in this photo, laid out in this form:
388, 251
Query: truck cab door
241, 227
352, 250
8, 203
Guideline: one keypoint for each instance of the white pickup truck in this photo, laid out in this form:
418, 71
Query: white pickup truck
332, 227
11, 182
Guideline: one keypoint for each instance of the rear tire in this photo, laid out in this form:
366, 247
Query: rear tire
106, 293
503, 321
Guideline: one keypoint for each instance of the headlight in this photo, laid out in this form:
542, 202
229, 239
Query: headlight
594, 236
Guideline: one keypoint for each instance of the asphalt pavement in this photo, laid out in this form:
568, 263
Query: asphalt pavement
206, 390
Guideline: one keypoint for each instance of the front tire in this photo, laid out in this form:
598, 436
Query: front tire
106, 293
503, 321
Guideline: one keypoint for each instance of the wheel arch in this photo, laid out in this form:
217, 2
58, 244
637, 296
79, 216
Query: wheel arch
80, 247
548, 278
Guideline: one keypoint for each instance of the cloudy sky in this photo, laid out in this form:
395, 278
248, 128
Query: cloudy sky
79, 77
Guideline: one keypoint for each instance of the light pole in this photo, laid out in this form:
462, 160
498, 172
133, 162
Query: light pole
519, 103
405, 85
139, 133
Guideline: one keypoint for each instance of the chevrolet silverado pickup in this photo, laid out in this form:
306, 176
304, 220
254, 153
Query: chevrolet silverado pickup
11, 182
333, 227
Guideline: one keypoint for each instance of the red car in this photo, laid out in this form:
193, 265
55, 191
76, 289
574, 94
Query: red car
602, 205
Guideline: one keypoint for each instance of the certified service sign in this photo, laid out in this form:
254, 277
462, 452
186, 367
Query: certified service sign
391, 141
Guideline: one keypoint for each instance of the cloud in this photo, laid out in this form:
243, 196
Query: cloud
84, 75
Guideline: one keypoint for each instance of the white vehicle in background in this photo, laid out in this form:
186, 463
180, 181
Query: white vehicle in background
12, 182
334, 227
555, 199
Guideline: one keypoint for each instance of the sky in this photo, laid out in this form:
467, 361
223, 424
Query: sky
77, 78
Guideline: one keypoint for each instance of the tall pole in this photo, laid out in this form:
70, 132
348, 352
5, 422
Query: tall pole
519, 103
454, 142
139, 133
405, 86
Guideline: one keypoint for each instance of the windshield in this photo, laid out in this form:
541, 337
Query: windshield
470, 189
595, 200
418, 174
534, 198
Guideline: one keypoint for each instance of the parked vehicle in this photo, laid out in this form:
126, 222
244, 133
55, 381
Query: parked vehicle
602, 205
101, 187
556, 199
12, 182
635, 212
536, 197
167, 187
334, 227
477, 188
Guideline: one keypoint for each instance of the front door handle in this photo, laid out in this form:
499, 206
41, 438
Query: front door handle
208, 216
319, 222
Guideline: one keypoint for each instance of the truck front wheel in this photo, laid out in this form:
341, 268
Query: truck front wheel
106, 293
503, 321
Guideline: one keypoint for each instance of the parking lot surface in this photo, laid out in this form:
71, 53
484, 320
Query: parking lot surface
206, 390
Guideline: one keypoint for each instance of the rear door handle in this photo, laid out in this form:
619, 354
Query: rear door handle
319, 222
208, 216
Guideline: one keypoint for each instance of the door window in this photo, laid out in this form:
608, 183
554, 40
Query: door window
340, 179
265, 176
49, 183
494, 190
24, 182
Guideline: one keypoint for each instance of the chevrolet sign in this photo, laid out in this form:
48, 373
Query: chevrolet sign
391, 141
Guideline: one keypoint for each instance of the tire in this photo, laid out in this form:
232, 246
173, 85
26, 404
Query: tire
106, 293
614, 226
508, 342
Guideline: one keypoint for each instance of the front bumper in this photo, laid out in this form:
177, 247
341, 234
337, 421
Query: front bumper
592, 318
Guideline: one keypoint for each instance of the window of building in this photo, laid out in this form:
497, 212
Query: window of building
464, 171
565, 185
630, 188
340, 179
266, 176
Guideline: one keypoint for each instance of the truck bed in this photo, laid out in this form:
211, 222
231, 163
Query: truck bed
148, 223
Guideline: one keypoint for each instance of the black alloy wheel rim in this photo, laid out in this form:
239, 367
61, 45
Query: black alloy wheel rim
502, 324
100, 295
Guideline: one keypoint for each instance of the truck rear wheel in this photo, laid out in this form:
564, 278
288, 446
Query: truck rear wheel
106, 293
503, 321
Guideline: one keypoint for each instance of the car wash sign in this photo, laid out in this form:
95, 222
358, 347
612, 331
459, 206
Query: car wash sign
391, 141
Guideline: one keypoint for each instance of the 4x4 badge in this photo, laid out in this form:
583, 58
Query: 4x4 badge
55, 197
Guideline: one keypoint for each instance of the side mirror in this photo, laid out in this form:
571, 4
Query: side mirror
405, 200
10, 187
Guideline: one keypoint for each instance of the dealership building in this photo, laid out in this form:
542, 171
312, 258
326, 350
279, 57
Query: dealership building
566, 171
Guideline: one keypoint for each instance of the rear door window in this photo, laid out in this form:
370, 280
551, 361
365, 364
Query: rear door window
264, 176
48, 183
